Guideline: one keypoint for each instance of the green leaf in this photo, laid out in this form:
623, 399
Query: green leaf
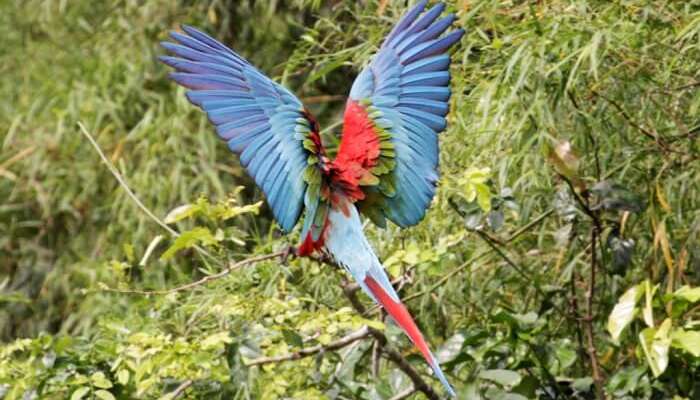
100, 380
216, 340
450, 349
686, 340
104, 395
503, 377
80, 393
582, 384
687, 293
189, 239
180, 213
655, 344
623, 312
649, 295
123, 377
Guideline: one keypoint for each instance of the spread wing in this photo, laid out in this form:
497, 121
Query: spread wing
265, 124
388, 154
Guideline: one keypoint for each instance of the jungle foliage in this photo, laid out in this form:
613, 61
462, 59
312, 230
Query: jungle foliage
560, 258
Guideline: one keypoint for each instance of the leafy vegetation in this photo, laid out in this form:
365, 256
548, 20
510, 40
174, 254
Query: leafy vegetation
560, 258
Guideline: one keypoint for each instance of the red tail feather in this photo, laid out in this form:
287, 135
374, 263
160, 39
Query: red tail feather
399, 313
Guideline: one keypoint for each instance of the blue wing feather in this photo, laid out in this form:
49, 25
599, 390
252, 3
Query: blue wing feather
257, 117
408, 82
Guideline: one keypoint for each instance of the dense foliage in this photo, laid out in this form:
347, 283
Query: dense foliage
560, 258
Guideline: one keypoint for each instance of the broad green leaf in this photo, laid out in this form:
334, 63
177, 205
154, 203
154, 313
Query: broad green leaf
655, 344
104, 395
582, 384
450, 349
216, 340
503, 377
189, 239
687, 293
100, 380
623, 312
80, 393
123, 377
686, 340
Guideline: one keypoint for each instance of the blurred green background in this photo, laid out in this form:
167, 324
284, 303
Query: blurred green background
572, 148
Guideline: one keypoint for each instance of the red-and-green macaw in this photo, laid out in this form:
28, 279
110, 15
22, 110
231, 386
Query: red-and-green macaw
386, 165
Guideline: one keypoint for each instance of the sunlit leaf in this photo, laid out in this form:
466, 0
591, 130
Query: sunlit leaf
100, 380
623, 312
179, 213
686, 340
450, 349
648, 312
655, 344
190, 239
80, 393
104, 395
688, 293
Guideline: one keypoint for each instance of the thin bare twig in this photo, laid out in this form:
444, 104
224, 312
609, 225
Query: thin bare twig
180, 390
404, 395
123, 183
232, 267
309, 351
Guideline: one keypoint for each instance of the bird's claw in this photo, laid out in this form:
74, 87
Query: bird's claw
289, 252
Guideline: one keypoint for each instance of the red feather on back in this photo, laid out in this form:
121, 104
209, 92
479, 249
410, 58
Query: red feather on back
358, 152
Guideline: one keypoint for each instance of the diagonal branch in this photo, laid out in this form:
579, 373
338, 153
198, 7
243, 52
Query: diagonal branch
232, 267
309, 351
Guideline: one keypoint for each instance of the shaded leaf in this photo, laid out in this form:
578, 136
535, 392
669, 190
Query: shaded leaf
503, 377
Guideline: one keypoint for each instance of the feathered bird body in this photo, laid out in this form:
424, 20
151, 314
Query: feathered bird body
386, 163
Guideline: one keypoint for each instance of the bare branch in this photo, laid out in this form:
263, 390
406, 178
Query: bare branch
338, 344
404, 395
179, 391
123, 183
232, 267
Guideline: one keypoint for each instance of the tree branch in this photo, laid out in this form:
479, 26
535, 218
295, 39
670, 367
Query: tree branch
179, 391
335, 345
404, 395
232, 267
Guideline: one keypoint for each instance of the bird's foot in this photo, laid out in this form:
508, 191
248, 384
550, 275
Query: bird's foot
291, 251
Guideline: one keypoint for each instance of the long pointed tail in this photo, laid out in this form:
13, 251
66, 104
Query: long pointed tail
400, 314
349, 247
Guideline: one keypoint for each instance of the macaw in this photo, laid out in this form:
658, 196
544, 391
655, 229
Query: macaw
386, 165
